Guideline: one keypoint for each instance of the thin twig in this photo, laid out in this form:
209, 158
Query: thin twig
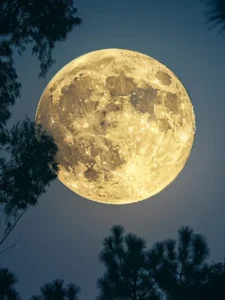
9, 247
17, 220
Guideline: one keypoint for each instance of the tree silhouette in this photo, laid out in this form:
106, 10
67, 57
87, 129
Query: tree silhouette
49, 291
57, 291
72, 291
168, 270
213, 287
38, 23
178, 267
7, 282
31, 166
127, 273
215, 14
36, 298
27, 158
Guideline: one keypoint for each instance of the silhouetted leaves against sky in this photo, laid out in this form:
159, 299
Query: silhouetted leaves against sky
30, 168
215, 14
7, 283
168, 269
57, 290
39, 23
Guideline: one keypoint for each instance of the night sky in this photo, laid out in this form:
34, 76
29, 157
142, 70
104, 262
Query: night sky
61, 237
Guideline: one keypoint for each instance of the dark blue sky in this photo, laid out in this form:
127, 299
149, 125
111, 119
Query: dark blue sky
61, 237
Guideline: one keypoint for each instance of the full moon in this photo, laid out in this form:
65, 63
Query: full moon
123, 122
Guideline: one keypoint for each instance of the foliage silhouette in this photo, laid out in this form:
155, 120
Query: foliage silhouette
31, 167
177, 266
127, 275
57, 291
49, 291
171, 270
27, 159
213, 287
215, 14
38, 23
7, 282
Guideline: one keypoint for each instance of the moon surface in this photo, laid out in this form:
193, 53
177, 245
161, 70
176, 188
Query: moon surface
123, 122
